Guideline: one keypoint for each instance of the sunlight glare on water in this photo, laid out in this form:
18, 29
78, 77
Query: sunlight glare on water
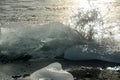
36, 12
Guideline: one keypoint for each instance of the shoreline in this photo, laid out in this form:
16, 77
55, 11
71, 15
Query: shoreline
89, 63
82, 70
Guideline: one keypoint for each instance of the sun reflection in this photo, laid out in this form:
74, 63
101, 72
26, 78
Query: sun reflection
109, 12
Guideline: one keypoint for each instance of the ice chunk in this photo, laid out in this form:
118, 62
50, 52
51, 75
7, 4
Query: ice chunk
53, 71
91, 52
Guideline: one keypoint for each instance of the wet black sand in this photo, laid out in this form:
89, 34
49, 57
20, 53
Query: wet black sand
81, 70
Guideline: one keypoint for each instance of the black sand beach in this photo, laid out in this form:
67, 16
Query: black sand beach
81, 70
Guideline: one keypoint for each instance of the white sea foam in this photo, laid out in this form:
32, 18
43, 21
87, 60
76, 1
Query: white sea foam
114, 68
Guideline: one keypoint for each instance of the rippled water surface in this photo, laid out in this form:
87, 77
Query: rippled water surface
35, 11
42, 11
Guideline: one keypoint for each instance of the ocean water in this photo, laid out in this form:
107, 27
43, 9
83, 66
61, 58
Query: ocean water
43, 11
34, 11
46, 29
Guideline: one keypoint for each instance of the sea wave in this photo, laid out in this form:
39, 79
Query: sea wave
49, 41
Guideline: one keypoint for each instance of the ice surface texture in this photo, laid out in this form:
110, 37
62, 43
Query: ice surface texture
53, 71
